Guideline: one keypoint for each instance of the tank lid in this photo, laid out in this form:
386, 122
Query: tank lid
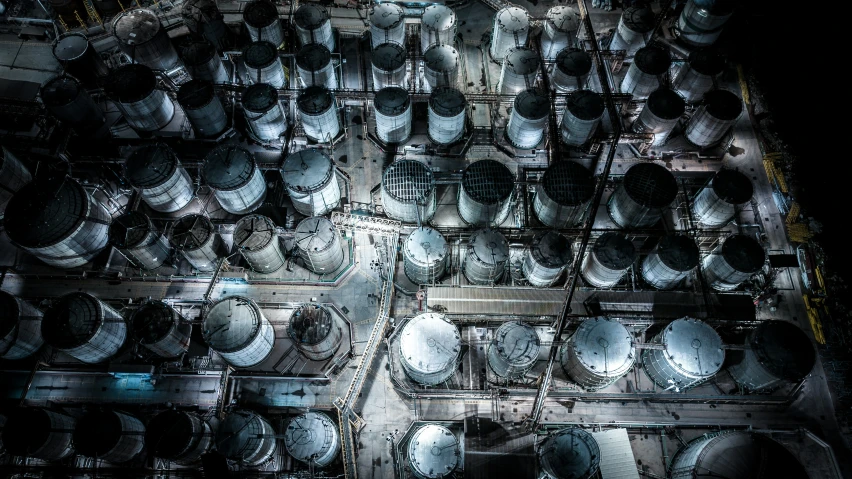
388, 56
150, 166
236, 433
170, 434
707, 61
315, 99
521, 60
254, 232
130, 83
259, 54
693, 347
306, 170
430, 343
488, 181
568, 183
231, 324
228, 167
723, 104
741, 454
441, 58
260, 98
574, 62
386, 15
564, 19
438, 17
551, 249
570, 453
129, 230
732, 186
614, 251
489, 246
9, 314
71, 320
666, 104
426, 245
310, 324
433, 451
513, 20
447, 101
585, 105
60, 91
137, 26
532, 104
153, 321
191, 231
307, 436
783, 349
653, 59
516, 342
97, 433
315, 234
392, 101
716, 7
260, 13
70, 46
678, 252
195, 94
604, 346
197, 52
313, 57
744, 253
650, 185
409, 181
45, 212
640, 19
311, 16
27, 430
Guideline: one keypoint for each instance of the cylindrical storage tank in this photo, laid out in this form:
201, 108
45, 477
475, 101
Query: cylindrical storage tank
262, 64
425, 255
485, 194
433, 452
429, 348
313, 63
570, 453
511, 27
598, 354
313, 25
65, 98
203, 108
546, 259
133, 88
641, 200
197, 241
733, 262
560, 31
514, 350
79, 58
583, 112
776, 353
235, 328
607, 262
20, 328
447, 115
13, 176
716, 115
716, 205
388, 66
387, 24
160, 329
82, 326
178, 436
692, 353
702, 21
257, 241
135, 237
110, 436
528, 119
203, 19
202, 62
311, 182
318, 112
38, 433
644, 75
142, 37
315, 332
58, 222
319, 245
263, 112
156, 172
408, 192
671, 261
441, 66
231, 172
261, 20
393, 115
313, 438
571, 71
246, 437
519, 71
487, 254
662, 111
634, 29
699, 74
437, 26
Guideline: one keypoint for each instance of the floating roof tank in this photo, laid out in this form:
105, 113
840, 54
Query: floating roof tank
563, 194
434, 452
196, 239
560, 31
235, 328
437, 26
262, 64
203, 108
38, 433
257, 241
261, 20
645, 73
546, 259
583, 112
519, 70
528, 119
263, 112
82, 326
310, 179
315, 332
319, 245
716, 205
313, 62
661, 114
202, 62
110, 436
313, 438
485, 194
777, 353
408, 192
598, 354
318, 112
699, 74
673, 259
393, 114
178, 436
514, 350
156, 172
67, 100
79, 58
58, 222
387, 24
133, 88
429, 348
13, 176
246, 437
733, 262
608, 261
511, 27
203, 19
570, 453
236, 181
715, 117
701, 21
313, 25
487, 255
447, 115
20, 328
441, 66
634, 29
642, 199
142, 37
425, 255
735, 455
160, 329
135, 237
388, 66
692, 353
571, 71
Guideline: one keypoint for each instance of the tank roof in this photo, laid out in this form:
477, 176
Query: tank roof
170, 434
650, 185
260, 13
707, 61
259, 54
574, 62
150, 165
310, 16
386, 15
447, 101
315, 99
231, 324
392, 101
408, 180
45, 212
254, 232
130, 83
516, 342
441, 58
568, 183
551, 249
9, 313
152, 321
532, 104
666, 104
315, 234
191, 231
195, 94
426, 245
433, 451
693, 347
489, 246
488, 181
614, 251
678, 252
438, 17
723, 104
310, 324
307, 170
388, 56
234, 434
228, 167
716, 7
27, 429
732, 186
305, 437
313, 57
429, 343
585, 104
783, 349
604, 346
513, 19
746, 455
137, 26
565, 19
197, 52
60, 90
522, 60
571, 453
129, 230
71, 320
653, 59
260, 98
97, 432
70, 46
640, 19
743, 253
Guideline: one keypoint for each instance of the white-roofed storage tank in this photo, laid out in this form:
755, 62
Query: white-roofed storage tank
202, 61
716, 116
263, 64
387, 24
263, 111
195, 238
203, 108
310, 179
143, 38
313, 25
110, 436
634, 29
514, 350
160, 329
486, 258
156, 172
315, 332
233, 175
661, 114
313, 438
699, 74
20, 328
437, 26
692, 353
318, 113
134, 90
246, 438
671, 261
79, 58
181, 437
716, 204
563, 194
608, 261
434, 452
733, 262
82, 326
388, 61
546, 259
38, 433
313, 63
425, 254
582, 115
408, 192
511, 27
776, 353
68, 101
571, 70
701, 21
257, 241
235, 328
646, 73
598, 354
429, 348
319, 245
560, 31
519, 70
441, 66
570, 453
393, 114
262, 23
13, 176
485, 193
528, 120
137, 239
641, 200
447, 115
